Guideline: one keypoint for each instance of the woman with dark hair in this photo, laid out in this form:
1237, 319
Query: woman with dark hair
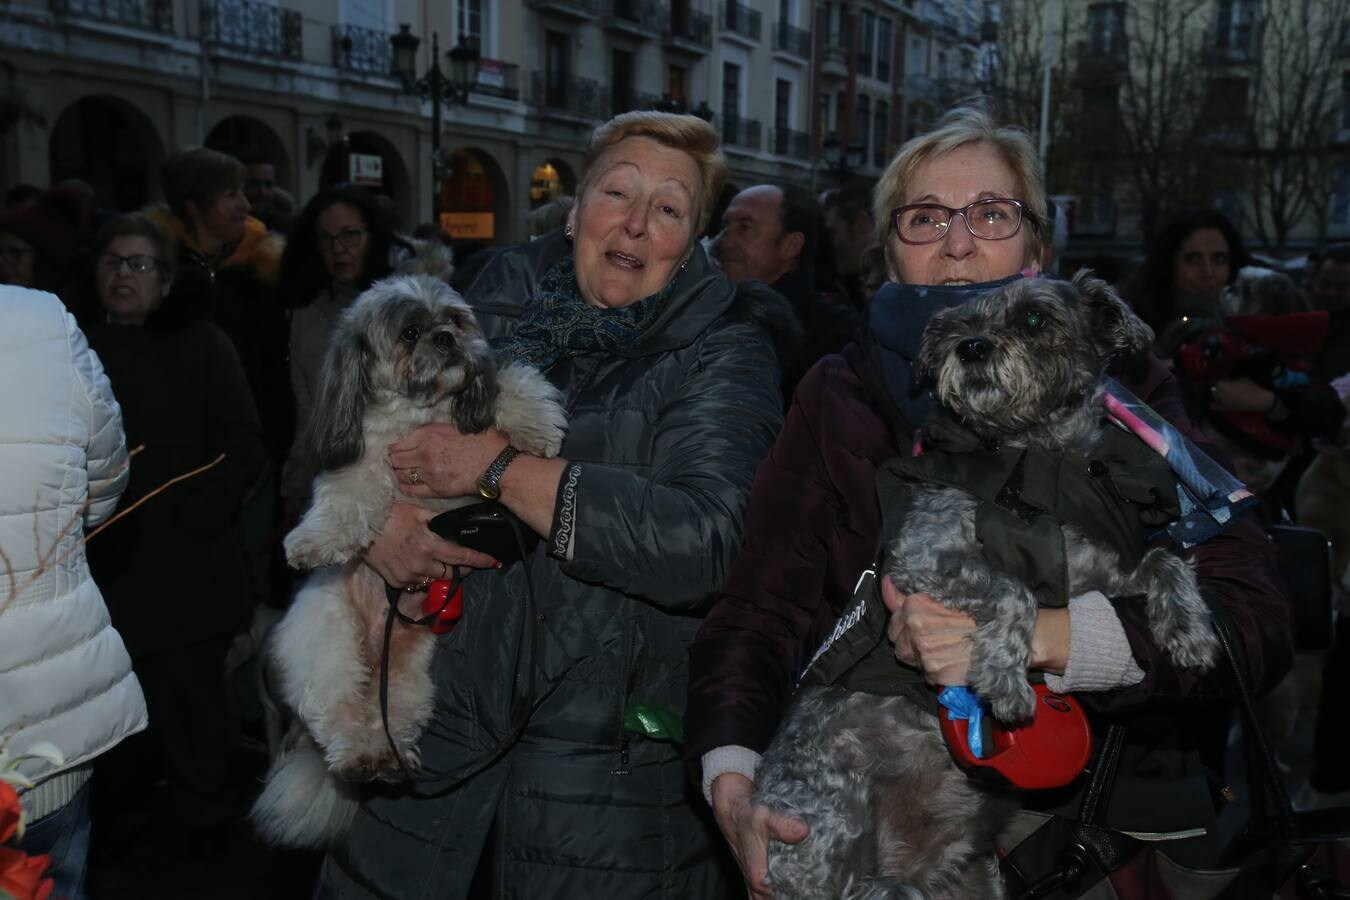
341, 243
1195, 255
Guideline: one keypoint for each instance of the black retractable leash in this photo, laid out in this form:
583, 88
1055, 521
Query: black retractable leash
490, 528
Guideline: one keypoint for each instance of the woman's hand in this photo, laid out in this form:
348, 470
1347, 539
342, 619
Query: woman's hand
407, 552
442, 461
1240, 396
928, 636
748, 828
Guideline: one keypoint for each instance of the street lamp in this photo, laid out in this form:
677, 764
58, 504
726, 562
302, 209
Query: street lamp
842, 160
434, 86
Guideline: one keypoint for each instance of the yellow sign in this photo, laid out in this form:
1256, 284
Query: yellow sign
468, 226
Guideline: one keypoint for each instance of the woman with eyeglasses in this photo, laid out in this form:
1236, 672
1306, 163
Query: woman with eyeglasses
173, 571
959, 210
338, 247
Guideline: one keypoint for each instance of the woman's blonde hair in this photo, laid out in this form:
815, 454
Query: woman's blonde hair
688, 133
958, 128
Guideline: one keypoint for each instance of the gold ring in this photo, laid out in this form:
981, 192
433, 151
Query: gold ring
415, 475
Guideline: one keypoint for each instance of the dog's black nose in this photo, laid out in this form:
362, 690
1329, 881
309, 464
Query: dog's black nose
974, 349
444, 340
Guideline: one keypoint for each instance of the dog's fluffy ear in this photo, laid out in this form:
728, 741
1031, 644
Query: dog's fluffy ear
1118, 331
334, 438
475, 406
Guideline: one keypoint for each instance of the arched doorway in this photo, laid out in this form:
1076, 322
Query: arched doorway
550, 180
110, 144
349, 161
244, 136
475, 202
394, 181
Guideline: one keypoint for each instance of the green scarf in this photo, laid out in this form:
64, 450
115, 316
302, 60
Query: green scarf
557, 321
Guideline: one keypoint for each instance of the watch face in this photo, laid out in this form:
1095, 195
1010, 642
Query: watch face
488, 489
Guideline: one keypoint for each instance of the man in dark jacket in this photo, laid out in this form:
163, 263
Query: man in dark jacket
769, 233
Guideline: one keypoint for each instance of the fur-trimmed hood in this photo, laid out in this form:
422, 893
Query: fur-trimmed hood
423, 258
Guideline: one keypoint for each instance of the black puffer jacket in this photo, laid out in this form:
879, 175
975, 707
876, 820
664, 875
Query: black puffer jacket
663, 444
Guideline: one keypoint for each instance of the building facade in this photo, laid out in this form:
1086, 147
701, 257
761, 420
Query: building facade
1154, 106
800, 91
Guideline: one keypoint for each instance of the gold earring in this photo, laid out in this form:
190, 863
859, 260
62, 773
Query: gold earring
567, 231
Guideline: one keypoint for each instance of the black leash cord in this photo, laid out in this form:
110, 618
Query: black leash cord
522, 707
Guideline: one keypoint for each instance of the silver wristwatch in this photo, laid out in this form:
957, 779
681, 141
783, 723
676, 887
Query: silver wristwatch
490, 482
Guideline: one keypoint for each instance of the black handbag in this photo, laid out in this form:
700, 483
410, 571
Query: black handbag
1280, 853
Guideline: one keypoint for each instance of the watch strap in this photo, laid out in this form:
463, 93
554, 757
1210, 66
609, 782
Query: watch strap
489, 483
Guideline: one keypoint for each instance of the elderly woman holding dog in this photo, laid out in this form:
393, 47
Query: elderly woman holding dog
814, 521
540, 775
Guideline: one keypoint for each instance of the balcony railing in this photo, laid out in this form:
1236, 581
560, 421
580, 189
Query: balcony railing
643, 16
152, 15
787, 142
568, 94
497, 79
689, 27
248, 26
741, 19
581, 9
741, 132
791, 39
364, 50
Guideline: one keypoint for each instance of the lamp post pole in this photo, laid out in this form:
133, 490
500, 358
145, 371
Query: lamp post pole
436, 87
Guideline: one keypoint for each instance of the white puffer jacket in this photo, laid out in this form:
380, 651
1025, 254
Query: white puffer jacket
65, 676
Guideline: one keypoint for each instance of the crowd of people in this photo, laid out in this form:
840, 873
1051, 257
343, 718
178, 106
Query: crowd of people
736, 367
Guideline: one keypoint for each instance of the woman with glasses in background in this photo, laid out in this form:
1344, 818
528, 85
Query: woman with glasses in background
959, 211
173, 571
341, 244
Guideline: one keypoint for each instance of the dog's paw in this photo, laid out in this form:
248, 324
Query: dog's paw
382, 767
1177, 613
307, 548
1014, 703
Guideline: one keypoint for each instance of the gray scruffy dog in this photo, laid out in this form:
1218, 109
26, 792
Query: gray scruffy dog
889, 812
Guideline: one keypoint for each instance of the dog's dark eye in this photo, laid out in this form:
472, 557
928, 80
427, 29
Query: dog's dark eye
410, 334
1034, 319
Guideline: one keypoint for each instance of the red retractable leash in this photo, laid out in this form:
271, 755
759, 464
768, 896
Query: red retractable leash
447, 607
1050, 751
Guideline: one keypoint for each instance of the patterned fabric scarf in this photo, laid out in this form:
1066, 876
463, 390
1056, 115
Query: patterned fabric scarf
558, 322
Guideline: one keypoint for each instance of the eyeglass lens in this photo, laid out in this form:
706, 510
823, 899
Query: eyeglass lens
347, 237
990, 220
140, 263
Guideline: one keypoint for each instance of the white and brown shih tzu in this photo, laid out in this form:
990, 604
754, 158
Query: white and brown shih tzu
407, 353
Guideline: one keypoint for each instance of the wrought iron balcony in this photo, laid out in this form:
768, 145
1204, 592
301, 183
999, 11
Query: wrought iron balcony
569, 95
638, 17
791, 39
741, 132
497, 79
365, 50
248, 26
688, 29
152, 15
577, 9
738, 18
787, 142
